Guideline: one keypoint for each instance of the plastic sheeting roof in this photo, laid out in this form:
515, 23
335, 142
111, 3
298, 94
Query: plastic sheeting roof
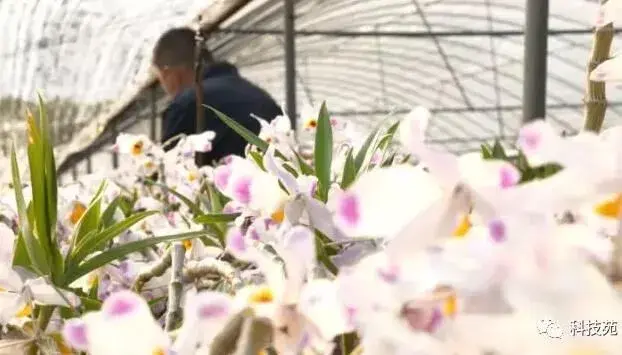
88, 51
99, 49
473, 81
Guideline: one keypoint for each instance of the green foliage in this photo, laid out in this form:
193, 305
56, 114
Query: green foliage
323, 152
37, 247
528, 173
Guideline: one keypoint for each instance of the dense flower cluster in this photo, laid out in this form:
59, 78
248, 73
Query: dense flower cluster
352, 247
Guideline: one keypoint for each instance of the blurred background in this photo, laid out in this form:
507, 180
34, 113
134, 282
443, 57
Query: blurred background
368, 59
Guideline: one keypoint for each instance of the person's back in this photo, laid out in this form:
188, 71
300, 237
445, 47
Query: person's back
223, 89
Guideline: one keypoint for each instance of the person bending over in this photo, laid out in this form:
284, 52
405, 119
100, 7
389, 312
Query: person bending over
223, 89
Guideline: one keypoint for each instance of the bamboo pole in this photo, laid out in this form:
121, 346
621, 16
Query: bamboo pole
595, 95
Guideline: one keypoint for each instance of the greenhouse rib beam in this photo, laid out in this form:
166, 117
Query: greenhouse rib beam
409, 34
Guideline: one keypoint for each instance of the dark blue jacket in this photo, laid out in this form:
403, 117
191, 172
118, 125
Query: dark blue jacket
228, 92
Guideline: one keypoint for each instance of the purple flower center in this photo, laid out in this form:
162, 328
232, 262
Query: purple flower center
236, 241
509, 178
530, 139
75, 334
497, 231
212, 311
120, 306
221, 177
349, 209
242, 190
389, 274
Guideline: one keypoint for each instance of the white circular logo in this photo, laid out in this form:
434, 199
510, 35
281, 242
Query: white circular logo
550, 328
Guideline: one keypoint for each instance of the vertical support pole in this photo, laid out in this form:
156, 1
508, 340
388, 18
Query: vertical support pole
115, 154
535, 62
201, 124
290, 61
154, 115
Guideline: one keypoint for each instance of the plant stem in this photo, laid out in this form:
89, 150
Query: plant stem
595, 95
45, 314
173, 315
158, 269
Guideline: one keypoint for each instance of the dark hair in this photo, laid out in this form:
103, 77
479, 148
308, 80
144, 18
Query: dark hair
176, 48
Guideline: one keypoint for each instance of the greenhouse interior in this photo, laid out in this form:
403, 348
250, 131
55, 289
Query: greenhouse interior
297, 177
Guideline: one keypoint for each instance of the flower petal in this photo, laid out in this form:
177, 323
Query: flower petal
320, 303
298, 252
43, 293
75, 334
276, 169
374, 205
608, 71
413, 127
540, 143
205, 314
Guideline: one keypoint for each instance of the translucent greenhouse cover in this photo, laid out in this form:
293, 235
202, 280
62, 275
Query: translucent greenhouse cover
86, 54
473, 83
96, 52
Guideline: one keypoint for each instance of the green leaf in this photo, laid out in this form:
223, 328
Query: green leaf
91, 217
323, 152
96, 242
497, 150
216, 218
91, 304
486, 151
258, 159
389, 160
20, 253
349, 171
50, 167
126, 205
290, 169
36, 155
249, 136
107, 218
363, 152
305, 168
388, 136
216, 204
35, 251
121, 251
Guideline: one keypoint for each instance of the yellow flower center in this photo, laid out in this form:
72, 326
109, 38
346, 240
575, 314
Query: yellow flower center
463, 227
609, 208
450, 307
262, 295
2, 289
92, 280
187, 244
25, 311
192, 176
60, 344
77, 212
149, 165
279, 215
158, 351
311, 123
137, 148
